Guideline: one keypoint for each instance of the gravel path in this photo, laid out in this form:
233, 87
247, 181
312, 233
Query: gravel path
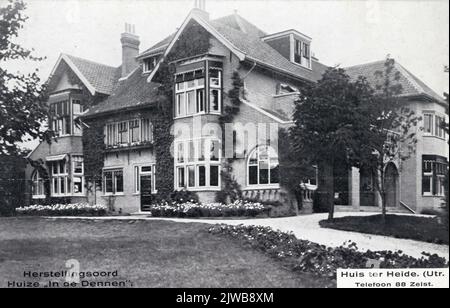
307, 227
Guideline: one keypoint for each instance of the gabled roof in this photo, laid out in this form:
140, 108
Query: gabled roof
129, 93
245, 41
96, 77
411, 85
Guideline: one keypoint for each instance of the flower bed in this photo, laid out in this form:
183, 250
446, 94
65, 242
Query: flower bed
193, 209
75, 209
306, 256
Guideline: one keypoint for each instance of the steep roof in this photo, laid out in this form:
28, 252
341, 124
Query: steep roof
246, 37
100, 76
411, 85
257, 50
129, 93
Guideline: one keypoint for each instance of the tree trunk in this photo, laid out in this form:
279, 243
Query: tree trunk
328, 188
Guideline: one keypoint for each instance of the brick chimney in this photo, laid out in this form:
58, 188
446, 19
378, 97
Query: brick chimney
130, 49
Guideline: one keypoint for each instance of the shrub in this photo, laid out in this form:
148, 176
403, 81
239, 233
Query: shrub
193, 209
75, 209
181, 196
306, 256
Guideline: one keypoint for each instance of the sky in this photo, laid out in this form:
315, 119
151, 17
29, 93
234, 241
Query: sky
344, 32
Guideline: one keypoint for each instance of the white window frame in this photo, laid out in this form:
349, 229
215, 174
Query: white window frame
196, 162
137, 169
77, 159
114, 182
111, 131
182, 92
57, 177
269, 185
432, 119
145, 64
38, 185
219, 90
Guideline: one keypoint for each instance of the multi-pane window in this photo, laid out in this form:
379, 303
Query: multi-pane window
263, 167
197, 164
77, 109
113, 181
433, 125
130, 132
38, 185
122, 129
428, 123
78, 174
60, 118
135, 135
302, 53
433, 174
215, 92
191, 95
60, 184
439, 129
149, 64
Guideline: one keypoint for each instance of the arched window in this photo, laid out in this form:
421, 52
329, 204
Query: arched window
263, 167
38, 185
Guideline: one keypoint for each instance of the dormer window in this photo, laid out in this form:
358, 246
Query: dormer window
302, 53
293, 45
149, 64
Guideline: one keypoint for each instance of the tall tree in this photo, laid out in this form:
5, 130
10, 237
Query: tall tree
390, 137
329, 118
22, 103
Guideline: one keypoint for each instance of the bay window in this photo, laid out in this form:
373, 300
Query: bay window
191, 95
61, 120
197, 164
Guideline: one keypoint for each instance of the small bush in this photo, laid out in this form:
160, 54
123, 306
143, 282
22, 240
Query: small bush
181, 196
75, 209
306, 256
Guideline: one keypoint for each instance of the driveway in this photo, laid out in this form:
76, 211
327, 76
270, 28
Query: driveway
307, 227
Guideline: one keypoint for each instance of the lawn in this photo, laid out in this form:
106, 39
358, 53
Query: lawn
426, 229
145, 254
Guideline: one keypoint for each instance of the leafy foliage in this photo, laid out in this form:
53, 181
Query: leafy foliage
231, 190
295, 170
390, 136
329, 117
194, 41
22, 100
12, 183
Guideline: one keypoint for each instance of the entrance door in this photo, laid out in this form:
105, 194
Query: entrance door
391, 185
146, 192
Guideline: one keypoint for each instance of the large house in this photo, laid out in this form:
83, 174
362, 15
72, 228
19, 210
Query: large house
124, 110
